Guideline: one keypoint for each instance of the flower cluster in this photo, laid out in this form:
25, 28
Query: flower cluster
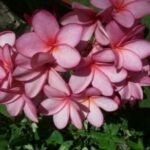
93, 62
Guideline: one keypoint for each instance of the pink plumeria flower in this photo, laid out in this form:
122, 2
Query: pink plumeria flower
125, 12
61, 103
35, 72
48, 37
16, 101
129, 51
97, 69
131, 88
95, 102
89, 20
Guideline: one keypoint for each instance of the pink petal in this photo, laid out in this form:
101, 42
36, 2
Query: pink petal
29, 44
139, 8
113, 74
131, 61
70, 35
112, 28
92, 92
106, 104
139, 47
57, 82
51, 106
75, 117
15, 107
33, 88
95, 116
103, 4
101, 35
125, 92
2, 73
62, 117
7, 37
66, 56
102, 82
77, 16
136, 91
125, 18
22, 61
45, 25
80, 80
30, 110
104, 56
52, 92
23, 74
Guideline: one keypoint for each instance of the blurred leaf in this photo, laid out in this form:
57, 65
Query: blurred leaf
66, 145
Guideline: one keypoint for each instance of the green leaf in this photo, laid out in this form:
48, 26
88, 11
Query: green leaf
66, 145
55, 138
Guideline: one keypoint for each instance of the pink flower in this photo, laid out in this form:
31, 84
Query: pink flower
97, 69
48, 37
61, 103
35, 72
90, 21
94, 101
125, 12
129, 52
16, 101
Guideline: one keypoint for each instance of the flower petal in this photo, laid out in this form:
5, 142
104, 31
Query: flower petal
29, 44
106, 104
102, 82
66, 56
30, 110
103, 4
45, 25
95, 116
139, 47
70, 35
80, 80
131, 61
51, 106
7, 37
62, 117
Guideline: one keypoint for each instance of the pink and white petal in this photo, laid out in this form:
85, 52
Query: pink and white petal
125, 18
131, 61
23, 62
33, 88
112, 28
57, 82
52, 92
77, 16
101, 35
15, 107
95, 116
66, 56
103, 4
139, 8
2, 73
45, 25
102, 82
80, 79
139, 47
62, 117
75, 117
125, 92
119, 59
23, 74
113, 74
70, 34
105, 103
51, 106
136, 91
7, 50
29, 44
105, 56
7, 37
88, 32
92, 92
30, 110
